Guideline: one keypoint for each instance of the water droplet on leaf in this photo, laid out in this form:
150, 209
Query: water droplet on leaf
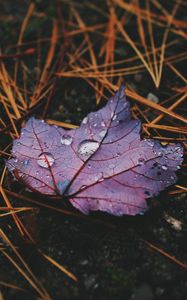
26, 162
164, 167
66, 140
141, 213
102, 133
150, 143
114, 117
141, 160
83, 187
85, 120
87, 148
45, 159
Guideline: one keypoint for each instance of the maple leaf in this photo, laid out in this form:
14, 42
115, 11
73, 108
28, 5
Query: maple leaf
103, 165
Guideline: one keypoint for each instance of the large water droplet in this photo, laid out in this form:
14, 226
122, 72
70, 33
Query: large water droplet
45, 159
66, 140
102, 133
87, 148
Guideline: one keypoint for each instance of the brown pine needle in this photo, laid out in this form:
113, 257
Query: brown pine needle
60, 267
155, 106
25, 22
90, 54
167, 255
61, 124
46, 73
174, 105
27, 273
7, 89
15, 217
43, 295
10, 285
151, 36
133, 45
1, 296
182, 130
14, 210
166, 33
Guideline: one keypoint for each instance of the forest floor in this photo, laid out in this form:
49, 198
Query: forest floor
59, 61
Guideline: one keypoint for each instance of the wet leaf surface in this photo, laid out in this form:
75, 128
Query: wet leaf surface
103, 165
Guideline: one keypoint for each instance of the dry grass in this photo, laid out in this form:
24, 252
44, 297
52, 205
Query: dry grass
76, 49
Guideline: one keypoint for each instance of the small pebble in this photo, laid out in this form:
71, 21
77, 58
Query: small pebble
89, 282
152, 97
175, 223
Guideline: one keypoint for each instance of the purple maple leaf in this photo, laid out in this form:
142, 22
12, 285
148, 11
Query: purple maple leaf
103, 165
